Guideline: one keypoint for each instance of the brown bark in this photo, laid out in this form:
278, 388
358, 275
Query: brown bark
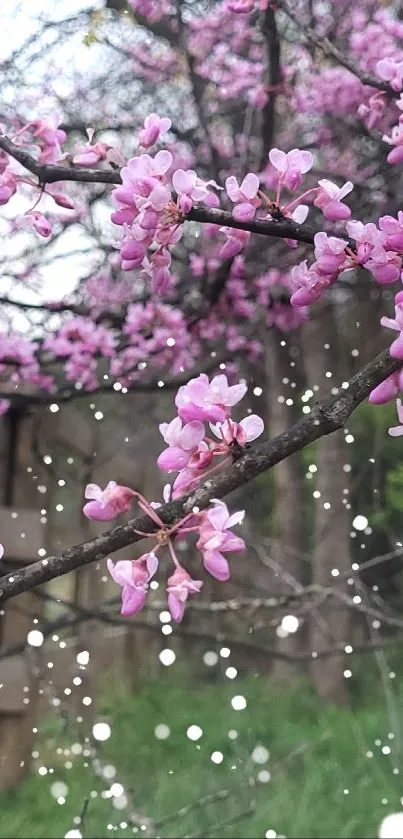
329, 626
282, 366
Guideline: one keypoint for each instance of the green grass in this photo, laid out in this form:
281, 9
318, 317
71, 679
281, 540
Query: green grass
322, 783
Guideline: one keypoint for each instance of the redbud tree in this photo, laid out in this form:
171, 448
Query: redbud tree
242, 165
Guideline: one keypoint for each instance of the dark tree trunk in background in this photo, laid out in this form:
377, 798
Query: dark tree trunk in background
330, 623
283, 368
18, 674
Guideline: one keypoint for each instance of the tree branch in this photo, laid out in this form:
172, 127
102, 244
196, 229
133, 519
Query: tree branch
323, 420
50, 174
283, 228
151, 386
331, 50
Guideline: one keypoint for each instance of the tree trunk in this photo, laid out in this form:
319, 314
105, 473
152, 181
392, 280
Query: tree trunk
18, 673
283, 367
330, 624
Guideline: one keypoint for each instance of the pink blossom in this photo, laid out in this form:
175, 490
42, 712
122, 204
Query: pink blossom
154, 127
158, 271
185, 481
62, 200
50, 138
143, 168
36, 220
132, 254
330, 255
89, 155
393, 230
396, 348
397, 430
241, 7
291, 166
244, 196
191, 188
308, 284
8, 187
299, 214
183, 441
4, 406
373, 111
133, 577
396, 140
370, 251
106, 504
180, 585
385, 266
215, 539
236, 241
367, 237
387, 390
205, 401
241, 432
391, 71
329, 200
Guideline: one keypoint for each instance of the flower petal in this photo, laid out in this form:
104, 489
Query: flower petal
253, 427
163, 161
97, 512
93, 491
133, 599
216, 564
152, 564
191, 435
121, 572
278, 159
173, 459
250, 185
235, 518
235, 394
176, 608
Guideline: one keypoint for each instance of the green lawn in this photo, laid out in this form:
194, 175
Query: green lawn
323, 780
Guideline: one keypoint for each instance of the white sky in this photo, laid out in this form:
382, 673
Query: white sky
19, 21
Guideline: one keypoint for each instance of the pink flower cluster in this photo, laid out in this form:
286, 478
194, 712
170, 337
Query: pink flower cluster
151, 221
215, 538
80, 340
243, 7
19, 357
190, 452
106, 504
49, 137
395, 138
310, 282
379, 249
289, 171
157, 335
153, 10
